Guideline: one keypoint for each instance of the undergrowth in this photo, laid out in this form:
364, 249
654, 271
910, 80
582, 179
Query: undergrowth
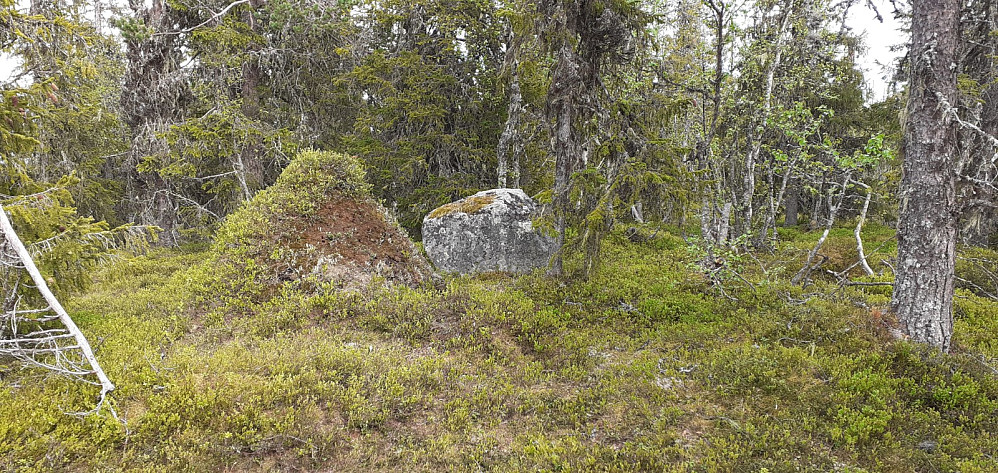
642, 367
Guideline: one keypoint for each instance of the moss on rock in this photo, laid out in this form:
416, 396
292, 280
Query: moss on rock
469, 205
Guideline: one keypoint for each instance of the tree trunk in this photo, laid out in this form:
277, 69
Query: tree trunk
813, 224
923, 286
792, 205
858, 232
248, 161
565, 82
153, 96
511, 142
774, 205
833, 209
767, 104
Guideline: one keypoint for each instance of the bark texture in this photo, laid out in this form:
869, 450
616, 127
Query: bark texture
566, 82
511, 142
792, 205
923, 288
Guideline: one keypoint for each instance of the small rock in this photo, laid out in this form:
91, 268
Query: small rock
927, 445
669, 383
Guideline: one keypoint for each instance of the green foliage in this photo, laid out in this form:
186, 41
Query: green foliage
54, 133
200, 155
870, 156
430, 109
632, 164
310, 178
633, 369
231, 357
977, 271
66, 247
15, 134
63, 121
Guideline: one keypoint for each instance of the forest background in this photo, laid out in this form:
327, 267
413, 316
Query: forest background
725, 133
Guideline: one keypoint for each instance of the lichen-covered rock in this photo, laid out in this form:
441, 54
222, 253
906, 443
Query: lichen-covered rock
489, 231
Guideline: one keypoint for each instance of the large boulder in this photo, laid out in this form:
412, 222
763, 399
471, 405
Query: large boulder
489, 231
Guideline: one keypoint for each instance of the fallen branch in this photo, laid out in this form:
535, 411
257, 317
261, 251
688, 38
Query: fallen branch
862, 283
859, 228
36, 276
833, 210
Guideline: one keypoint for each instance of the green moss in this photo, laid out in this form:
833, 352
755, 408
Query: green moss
468, 205
307, 182
265, 244
642, 367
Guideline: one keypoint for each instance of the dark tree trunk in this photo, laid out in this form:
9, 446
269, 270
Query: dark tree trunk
565, 82
792, 205
154, 95
248, 163
923, 287
585, 38
248, 160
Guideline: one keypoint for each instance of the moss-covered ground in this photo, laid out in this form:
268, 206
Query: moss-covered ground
642, 367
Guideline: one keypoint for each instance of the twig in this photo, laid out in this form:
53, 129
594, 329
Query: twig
205, 22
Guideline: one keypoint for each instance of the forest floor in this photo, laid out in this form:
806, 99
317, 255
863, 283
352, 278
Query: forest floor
644, 366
